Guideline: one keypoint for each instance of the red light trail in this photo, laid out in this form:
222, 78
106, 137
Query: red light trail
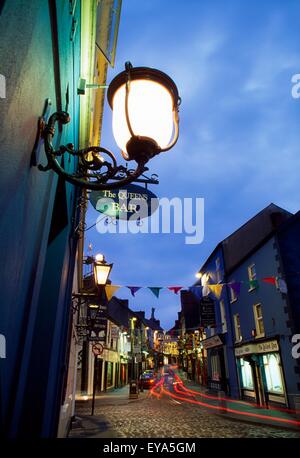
234, 401
186, 394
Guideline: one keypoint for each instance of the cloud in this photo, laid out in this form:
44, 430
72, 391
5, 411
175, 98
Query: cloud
239, 136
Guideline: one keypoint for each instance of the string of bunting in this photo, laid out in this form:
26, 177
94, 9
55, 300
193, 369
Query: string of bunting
215, 289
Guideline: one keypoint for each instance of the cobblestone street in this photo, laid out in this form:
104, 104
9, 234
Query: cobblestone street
149, 417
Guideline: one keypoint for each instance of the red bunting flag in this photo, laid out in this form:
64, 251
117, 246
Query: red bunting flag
271, 280
175, 289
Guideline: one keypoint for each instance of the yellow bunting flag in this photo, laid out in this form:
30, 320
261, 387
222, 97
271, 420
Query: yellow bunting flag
216, 289
110, 290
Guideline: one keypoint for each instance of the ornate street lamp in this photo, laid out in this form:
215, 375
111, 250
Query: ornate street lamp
145, 105
101, 270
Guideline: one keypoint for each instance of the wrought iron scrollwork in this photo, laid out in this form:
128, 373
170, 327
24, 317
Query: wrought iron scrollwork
97, 166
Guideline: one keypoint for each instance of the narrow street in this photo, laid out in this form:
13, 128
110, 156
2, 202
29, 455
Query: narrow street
158, 414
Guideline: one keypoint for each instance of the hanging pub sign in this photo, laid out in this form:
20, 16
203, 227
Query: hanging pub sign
132, 202
98, 334
207, 312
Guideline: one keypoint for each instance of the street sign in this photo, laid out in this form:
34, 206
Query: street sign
97, 349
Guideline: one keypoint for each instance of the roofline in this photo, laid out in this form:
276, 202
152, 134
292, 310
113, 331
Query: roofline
221, 244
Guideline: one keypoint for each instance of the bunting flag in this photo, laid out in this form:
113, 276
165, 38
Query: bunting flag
236, 287
155, 290
205, 290
202, 291
271, 280
175, 289
197, 291
133, 289
216, 289
253, 284
110, 290
281, 285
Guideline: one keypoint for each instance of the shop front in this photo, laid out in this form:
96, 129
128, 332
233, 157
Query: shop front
261, 377
191, 365
108, 375
123, 370
201, 366
217, 379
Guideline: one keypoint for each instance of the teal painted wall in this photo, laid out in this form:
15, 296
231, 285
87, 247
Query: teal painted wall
36, 275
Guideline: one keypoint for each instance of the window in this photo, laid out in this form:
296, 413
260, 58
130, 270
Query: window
218, 270
259, 323
252, 276
233, 296
212, 330
223, 316
273, 373
237, 327
108, 18
215, 368
246, 371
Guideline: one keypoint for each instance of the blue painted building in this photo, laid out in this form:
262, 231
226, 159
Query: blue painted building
249, 346
266, 316
217, 341
44, 48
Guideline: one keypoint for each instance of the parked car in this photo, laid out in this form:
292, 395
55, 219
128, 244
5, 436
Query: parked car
147, 379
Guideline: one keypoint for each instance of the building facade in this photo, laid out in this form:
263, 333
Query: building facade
46, 48
245, 310
266, 316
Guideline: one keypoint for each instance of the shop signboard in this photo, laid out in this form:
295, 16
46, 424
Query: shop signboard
212, 342
131, 202
114, 332
207, 312
137, 349
261, 347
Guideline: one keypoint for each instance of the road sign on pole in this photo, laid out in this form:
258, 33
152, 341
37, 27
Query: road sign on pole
97, 349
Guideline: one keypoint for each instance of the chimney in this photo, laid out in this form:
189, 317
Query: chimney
152, 313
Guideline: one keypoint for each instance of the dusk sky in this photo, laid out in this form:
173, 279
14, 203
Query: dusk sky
239, 129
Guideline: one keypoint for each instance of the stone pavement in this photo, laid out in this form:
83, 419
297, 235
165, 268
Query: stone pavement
149, 417
245, 411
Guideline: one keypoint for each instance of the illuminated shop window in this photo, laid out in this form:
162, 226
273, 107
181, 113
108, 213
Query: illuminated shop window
273, 373
247, 378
